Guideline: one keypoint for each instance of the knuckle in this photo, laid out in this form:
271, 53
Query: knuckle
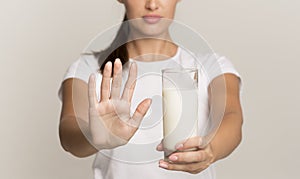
171, 167
199, 140
195, 171
193, 168
211, 156
143, 108
192, 172
139, 110
180, 158
199, 156
130, 86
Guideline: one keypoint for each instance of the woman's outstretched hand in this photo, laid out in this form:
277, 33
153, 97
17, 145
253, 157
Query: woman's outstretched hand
110, 122
193, 161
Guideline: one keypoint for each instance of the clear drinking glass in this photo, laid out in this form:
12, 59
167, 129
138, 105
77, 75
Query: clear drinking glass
180, 106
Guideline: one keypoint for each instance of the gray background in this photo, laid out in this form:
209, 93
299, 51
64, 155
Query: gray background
40, 39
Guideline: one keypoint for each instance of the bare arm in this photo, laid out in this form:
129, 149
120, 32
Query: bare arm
106, 123
229, 134
73, 140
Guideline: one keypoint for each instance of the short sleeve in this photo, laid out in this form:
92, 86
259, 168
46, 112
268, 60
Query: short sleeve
214, 65
80, 69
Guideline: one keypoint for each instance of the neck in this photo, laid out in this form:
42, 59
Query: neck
151, 49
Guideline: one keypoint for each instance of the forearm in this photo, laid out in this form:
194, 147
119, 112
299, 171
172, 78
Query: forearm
228, 136
73, 140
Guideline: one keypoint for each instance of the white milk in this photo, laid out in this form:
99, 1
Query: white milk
180, 117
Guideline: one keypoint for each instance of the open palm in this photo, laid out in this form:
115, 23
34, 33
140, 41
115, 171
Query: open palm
110, 122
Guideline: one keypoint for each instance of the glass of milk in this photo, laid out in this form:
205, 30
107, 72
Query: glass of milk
180, 106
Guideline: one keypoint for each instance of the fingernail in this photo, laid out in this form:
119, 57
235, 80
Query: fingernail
173, 158
108, 63
117, 60
149, 101
179, 146
92, 76
159, 147
163, 165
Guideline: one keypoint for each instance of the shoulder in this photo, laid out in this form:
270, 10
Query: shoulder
82, 68
210, 65
213, 65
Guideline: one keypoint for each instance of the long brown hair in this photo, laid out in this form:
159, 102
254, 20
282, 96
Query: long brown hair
117, 49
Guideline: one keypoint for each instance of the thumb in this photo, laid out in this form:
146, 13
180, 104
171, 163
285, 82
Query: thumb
140, 111
160, 146
191, 143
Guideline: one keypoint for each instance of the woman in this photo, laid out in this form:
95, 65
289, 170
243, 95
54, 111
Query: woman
96, 119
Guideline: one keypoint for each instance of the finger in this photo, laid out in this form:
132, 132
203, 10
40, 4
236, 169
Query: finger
188, 157
117, 80
130, 83
191, 168
105, 84
160, 147
92, 91
191, 143
140, 112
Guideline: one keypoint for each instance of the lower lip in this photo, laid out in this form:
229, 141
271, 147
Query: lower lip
151, 20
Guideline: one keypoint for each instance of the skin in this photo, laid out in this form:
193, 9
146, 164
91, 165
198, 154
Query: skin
135, 10
107, 123
81, 107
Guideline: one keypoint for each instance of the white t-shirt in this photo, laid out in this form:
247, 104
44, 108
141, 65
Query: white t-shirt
139, 157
